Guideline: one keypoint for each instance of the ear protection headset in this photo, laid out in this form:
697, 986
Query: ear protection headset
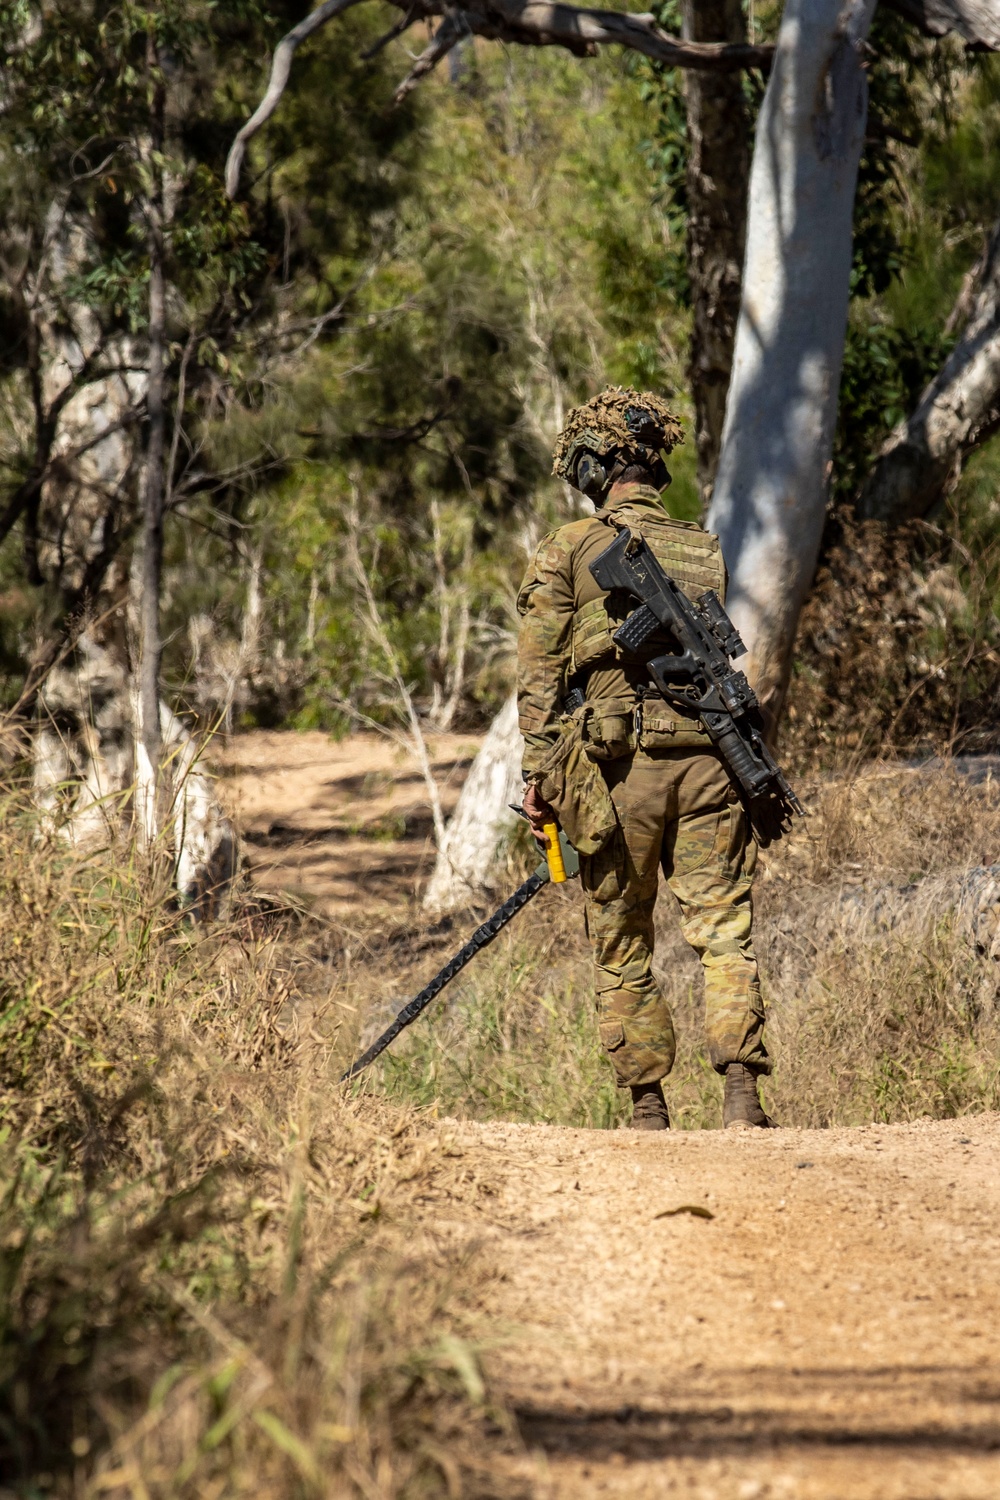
614, 431
592, 477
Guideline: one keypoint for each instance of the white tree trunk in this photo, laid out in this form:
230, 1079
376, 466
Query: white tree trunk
957, 411
206, 849
82, 747
771, 487
88, 764
149, 566
482, 818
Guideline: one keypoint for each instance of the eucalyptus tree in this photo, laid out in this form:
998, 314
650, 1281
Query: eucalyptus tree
769, 502
114, 247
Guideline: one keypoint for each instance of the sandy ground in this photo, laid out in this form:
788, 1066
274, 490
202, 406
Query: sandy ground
829, 1333
334, 823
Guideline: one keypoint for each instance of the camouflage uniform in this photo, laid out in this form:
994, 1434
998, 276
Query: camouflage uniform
673, 804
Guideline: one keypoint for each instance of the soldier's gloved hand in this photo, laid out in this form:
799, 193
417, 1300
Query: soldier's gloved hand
537, 810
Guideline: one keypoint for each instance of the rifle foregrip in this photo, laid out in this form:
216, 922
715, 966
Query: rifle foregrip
752, 776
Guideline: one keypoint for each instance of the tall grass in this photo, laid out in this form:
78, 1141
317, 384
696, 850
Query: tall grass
516, 1041
879, 940
214, 1280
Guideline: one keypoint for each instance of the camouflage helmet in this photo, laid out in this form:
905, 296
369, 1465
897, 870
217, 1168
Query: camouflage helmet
620, 425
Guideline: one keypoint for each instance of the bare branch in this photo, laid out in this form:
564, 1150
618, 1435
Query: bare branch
541, 23
334, 315
403, 24
281, 67
28, 491
534, 23
178, 418
978, 21
448, 35
416, 742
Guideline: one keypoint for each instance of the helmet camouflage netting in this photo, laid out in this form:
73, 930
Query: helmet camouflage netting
618, 419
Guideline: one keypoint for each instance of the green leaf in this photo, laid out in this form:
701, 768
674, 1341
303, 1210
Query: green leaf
459, 1356
283, 1438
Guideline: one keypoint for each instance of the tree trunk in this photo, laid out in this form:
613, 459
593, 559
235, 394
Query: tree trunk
958, 411
149, 572
86, 744
84, 769
771, 488
147, 578
717, 169
467, 854
82, 749
206, 849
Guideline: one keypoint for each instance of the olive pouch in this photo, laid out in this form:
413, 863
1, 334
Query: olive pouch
572, 784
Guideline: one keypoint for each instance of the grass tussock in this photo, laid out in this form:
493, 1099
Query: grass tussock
879, 930
880, 970
217, 1276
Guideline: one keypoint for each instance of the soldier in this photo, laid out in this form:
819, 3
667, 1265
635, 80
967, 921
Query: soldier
671, 804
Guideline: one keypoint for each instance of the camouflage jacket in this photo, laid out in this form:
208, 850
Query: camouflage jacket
567, 623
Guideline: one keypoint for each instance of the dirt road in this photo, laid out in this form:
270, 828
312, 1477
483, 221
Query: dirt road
829, 1333
337, 823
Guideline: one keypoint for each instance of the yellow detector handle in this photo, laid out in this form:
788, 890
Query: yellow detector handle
553, 854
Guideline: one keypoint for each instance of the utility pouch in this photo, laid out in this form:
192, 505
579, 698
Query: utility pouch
571, 783
661, 727
608, 728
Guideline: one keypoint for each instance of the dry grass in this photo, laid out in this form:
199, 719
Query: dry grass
875, 949
878, 937
217, 1277
898, 646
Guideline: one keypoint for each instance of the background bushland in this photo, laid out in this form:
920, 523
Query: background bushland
409, 305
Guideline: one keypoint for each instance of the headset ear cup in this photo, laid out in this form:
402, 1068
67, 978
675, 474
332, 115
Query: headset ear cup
591, 476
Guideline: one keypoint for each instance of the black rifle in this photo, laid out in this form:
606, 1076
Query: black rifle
480, 939
710, 690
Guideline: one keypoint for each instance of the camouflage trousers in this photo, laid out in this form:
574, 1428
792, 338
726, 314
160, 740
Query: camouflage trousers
677, 811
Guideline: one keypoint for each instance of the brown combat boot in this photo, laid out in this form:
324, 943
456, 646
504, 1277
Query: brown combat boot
649, 1108
741, 1104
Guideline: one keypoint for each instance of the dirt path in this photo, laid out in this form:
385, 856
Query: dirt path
337, 823
830, 1333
